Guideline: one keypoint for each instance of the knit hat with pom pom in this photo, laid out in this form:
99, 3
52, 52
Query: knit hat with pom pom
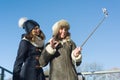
26, 24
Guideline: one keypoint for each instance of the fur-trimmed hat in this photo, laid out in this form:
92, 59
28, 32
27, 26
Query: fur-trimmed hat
28, 25
59, 24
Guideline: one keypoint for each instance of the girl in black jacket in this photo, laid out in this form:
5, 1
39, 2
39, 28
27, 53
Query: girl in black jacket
27, 66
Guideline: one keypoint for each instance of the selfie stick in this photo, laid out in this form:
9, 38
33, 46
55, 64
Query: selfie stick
105, 16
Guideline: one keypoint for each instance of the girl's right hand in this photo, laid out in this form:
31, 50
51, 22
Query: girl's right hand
53, 43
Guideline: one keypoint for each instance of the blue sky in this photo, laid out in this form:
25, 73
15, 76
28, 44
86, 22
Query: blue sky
103, 47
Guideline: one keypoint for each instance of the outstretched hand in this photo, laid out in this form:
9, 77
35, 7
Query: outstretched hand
77, 51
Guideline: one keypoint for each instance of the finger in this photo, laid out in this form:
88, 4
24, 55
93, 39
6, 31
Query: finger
56, 44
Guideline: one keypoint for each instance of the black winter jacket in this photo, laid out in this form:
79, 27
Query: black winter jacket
25, 66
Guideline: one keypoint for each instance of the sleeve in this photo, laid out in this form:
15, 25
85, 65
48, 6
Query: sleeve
46, 55
20, 58
76, 60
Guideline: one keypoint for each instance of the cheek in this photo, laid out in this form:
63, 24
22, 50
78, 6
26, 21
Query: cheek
63, 35
35, 32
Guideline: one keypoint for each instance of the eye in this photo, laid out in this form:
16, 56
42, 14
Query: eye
36, 28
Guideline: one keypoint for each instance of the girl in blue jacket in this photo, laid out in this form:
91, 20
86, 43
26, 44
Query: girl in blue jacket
27, 66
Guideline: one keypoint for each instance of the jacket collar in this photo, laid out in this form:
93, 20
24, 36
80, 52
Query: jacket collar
37, 43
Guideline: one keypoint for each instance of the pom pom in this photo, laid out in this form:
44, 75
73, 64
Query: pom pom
21, 21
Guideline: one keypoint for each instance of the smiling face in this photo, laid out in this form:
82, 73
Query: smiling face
62, 32
36, 31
